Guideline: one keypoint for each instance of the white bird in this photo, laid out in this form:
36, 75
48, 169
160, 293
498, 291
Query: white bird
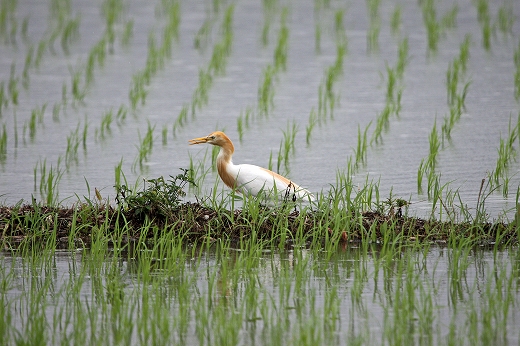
250, 179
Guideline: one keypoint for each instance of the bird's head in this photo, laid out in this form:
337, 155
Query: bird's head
216, 138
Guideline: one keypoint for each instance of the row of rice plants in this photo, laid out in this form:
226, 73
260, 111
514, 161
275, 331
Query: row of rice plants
210, 293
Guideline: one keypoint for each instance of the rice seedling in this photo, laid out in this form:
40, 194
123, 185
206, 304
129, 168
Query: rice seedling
391, 82
506, 153
280, 52
464, 53
171, 30
128, 32
70, 33
374, 25
118, 175
433, 28
112, 11
48, 182
138, 92
42, 46
317, 38
449, 20
240, 128
4, 100
106, 121
201, 94
36, 118
181, 120
339, 27
435, 145
266, 91
78, 88
84, 135
287, 145
145, 146
484, 19
121, 115
313, 120
202, 37
73, 141
8, 21
12, 85
382, 124
24, 29
269, 8
516, 58
64, 94
15, 126
402, 58
395, 19
164, 135
452, 80
3, 144
26, 67
505, 19
96, 55
361, 149
428, 165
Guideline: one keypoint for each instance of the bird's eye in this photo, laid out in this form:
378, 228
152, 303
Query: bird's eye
212, 137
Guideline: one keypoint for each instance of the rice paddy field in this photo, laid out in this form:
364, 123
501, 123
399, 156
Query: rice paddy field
402, 117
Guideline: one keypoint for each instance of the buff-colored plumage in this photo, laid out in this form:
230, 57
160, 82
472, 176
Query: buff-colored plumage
250, 179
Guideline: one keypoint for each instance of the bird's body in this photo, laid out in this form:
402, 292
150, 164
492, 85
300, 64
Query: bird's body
250, 179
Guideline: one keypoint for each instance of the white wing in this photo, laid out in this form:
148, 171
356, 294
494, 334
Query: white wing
255, 180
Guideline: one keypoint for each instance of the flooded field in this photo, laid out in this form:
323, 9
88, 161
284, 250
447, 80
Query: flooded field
411, 95
394, 108
222, 296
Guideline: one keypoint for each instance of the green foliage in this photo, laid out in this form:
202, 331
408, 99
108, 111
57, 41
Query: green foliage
159, 199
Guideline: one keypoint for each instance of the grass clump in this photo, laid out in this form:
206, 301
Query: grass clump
345, 214
159, 199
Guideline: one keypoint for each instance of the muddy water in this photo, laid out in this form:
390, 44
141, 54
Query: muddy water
465, 161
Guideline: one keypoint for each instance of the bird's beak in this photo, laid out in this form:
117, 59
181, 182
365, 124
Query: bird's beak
199, 140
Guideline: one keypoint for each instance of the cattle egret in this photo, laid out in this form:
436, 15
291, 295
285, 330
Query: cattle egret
250, 179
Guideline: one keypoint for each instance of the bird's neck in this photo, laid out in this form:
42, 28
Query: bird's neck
224, 159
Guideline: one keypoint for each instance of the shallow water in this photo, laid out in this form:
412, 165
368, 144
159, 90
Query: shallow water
465, 161
433, 296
